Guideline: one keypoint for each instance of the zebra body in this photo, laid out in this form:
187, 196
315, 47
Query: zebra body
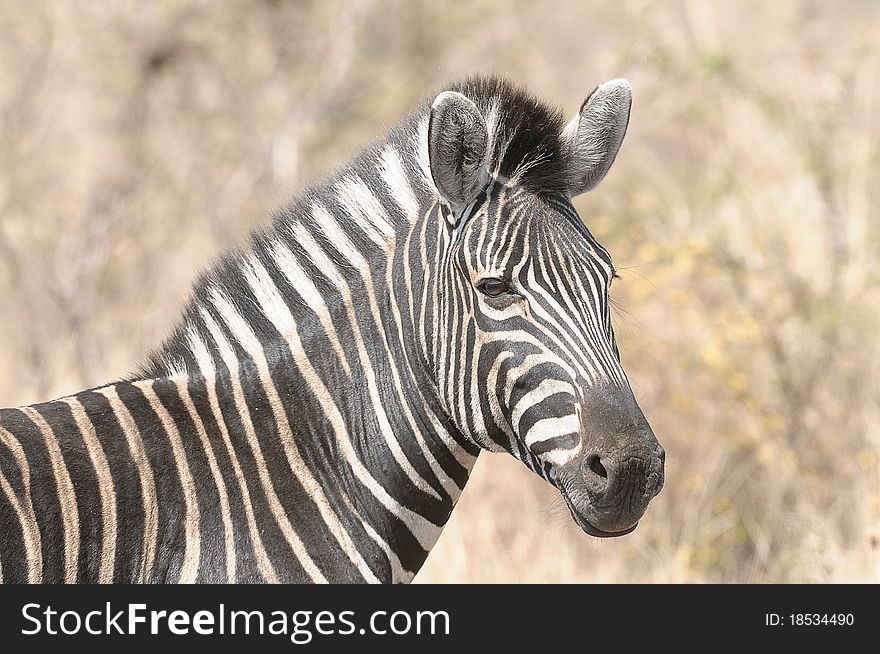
317, 411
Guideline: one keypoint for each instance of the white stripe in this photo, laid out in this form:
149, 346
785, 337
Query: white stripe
559, 457
294, 273
227, 353
495, 405
541, 392
66, 495
360, 203
106, 488
424, 160
241, 331
339, 239
398, 574
199, 349
529, 361
510, 311
551, 428
491, 117
391, 170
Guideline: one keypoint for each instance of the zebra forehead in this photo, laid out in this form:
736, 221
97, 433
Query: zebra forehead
556, 217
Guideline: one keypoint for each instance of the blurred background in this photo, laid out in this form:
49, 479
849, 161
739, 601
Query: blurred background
137, 140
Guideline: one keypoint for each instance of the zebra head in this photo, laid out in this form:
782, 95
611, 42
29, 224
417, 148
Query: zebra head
523, 350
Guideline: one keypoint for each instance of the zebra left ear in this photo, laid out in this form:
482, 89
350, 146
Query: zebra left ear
457, 138
594, 136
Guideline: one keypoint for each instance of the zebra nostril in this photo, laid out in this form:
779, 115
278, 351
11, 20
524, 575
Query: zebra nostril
595, 464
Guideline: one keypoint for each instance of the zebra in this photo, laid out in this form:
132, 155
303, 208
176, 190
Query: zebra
318, 407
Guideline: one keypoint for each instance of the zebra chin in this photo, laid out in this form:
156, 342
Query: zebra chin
592, 530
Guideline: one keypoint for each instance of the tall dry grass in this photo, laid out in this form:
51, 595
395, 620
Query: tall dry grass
138, 139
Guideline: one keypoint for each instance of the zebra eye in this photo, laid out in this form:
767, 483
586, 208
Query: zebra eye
493, 287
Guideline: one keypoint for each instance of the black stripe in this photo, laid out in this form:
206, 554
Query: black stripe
551, 407
44, 492
212, 555
13, 557
126, 484
85, 485
245, 560
564, 442
170, 544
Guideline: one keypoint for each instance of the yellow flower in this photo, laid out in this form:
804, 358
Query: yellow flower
713, 357
738, 382
866, 459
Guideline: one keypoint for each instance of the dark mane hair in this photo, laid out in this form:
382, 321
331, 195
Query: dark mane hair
526, 142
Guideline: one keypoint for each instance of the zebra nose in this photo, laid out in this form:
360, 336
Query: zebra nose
595, 473
623, 476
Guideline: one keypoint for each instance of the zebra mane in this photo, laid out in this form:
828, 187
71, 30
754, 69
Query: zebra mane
525, 134
525, 146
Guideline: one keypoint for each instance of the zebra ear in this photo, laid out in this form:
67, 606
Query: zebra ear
594, 136
457, 139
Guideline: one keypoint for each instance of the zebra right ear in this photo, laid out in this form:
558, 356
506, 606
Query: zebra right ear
594, 136
457, 139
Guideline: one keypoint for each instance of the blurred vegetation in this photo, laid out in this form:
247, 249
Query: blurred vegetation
139, 139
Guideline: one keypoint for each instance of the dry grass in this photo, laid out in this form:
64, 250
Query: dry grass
138, 139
